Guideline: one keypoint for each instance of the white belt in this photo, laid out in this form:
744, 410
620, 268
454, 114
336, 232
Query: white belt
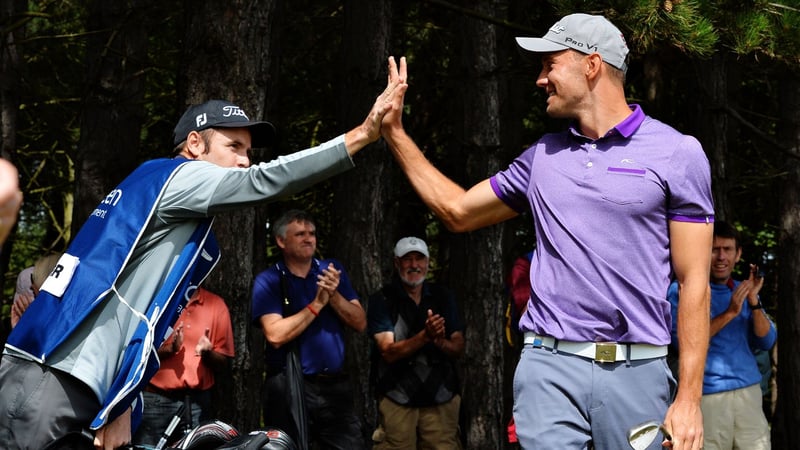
598, 351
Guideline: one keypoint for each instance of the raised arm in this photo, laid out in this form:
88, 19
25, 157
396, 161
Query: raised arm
690, 247
370, 130
459, 209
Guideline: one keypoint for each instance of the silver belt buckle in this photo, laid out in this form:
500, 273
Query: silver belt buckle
605, 352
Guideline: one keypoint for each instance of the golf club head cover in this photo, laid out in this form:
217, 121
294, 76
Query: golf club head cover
207, 436
267, 439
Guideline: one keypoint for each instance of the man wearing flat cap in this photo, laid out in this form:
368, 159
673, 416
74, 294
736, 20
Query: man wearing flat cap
86, 347
621, 204
418, 335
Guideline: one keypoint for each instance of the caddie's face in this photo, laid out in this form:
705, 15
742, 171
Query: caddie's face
227, 147
412, 268
724, 256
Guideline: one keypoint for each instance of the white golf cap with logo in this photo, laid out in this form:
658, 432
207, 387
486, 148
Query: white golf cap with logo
410, 244
585, 33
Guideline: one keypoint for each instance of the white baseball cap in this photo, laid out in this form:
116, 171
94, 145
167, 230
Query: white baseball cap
585, 33
410, 244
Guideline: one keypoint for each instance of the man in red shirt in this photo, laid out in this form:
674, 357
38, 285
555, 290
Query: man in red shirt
201, 343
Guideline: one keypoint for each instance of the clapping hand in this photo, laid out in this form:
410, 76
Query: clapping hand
434, 326
327, 283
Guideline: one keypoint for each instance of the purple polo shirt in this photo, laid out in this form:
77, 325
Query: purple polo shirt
601, 209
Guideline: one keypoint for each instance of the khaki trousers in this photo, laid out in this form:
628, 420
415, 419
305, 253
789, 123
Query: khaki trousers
735, 420
430, 428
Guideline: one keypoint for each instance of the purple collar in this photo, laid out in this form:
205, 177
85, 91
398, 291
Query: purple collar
626, 128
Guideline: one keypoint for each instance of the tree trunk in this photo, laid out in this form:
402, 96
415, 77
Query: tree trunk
360, 213
227, 56
786, 421
112, 115
712, 131
475, 269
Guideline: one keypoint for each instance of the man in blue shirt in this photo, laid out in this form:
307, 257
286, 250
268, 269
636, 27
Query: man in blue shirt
732, 413
322, 302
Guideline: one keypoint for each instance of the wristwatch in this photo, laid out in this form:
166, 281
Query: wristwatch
757, 306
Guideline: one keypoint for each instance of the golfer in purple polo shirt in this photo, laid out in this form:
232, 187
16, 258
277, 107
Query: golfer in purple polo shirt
621, 203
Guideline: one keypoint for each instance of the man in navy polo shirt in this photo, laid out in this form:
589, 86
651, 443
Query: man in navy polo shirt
321, 303
620, 201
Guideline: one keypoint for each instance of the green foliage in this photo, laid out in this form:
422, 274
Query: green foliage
763, 27
47, 128
785, 26
47, 131
754, 28
651, 24
701, 27
53, 81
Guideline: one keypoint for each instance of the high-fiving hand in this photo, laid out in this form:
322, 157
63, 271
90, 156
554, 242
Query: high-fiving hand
391, 99
394, 115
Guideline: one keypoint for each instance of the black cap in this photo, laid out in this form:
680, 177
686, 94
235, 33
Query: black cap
221, 114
